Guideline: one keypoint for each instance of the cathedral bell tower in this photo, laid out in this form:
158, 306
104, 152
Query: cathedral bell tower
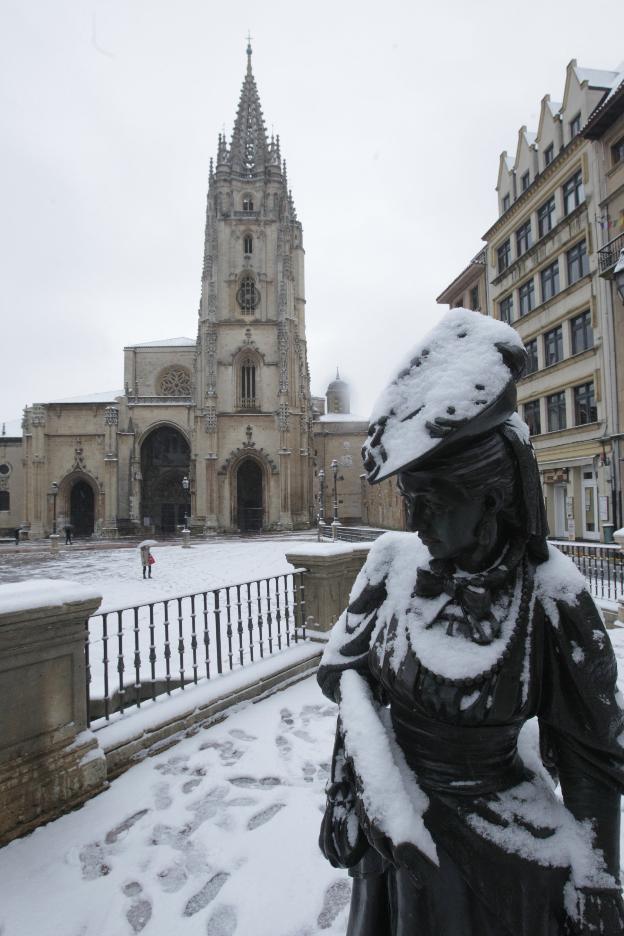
253, 464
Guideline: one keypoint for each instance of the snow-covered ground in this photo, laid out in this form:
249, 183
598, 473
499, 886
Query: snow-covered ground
215, 837
177, 571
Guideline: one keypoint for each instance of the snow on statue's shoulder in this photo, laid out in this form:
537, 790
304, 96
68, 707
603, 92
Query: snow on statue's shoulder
393, 553
558, 579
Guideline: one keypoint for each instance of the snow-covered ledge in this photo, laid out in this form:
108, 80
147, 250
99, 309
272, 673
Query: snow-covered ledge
331, 570
49, 760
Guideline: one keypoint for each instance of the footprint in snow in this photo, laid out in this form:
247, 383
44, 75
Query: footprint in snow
162, 799
265, 816
113, 834
283, 746
172, 879
139, 914
191, 784
242, 735
175, 765
337, 896
287, 717
93, 863
204, 896
253, 783
222, 922
308, 771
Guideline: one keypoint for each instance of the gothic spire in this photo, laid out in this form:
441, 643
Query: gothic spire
248, 150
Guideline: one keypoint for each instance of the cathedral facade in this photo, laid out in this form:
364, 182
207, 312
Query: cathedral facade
217, 430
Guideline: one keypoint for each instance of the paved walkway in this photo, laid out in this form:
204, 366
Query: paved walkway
217, 836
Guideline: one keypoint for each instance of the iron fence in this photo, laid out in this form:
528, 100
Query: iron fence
350, 534
139, 653
602, 566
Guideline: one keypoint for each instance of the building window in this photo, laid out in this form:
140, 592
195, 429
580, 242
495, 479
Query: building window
506, 309
526, 295
248, 203
546, 216
532, 417
525, 181
248, 244
575, 126
531, 350
474, 298
175, 382
248, 296
248, 383
523, 238
553, 346
573, 192
578, 262
582, 332
504, 256
5, 500
617, 152
549, 154
555, 406
585, 410
506, 202
550, 281
5, 469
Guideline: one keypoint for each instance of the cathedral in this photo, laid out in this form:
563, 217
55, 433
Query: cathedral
215, 430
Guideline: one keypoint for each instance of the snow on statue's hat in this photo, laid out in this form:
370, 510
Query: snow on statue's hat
457, 384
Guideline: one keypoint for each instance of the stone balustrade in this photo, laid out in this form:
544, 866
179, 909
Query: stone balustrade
331, 570
49, 760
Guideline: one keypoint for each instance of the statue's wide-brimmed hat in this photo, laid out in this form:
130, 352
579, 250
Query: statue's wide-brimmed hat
457, 384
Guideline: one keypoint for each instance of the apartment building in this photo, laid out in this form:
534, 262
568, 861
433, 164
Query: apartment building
469, 290
542, 276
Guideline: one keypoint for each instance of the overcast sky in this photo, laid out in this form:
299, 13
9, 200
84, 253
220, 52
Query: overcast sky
391, 115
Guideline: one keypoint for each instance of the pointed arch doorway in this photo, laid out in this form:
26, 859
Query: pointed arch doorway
82, 508
165, 461
249, 501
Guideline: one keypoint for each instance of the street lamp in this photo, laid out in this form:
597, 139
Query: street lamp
54, 492
618, 275
321, 504
186, 485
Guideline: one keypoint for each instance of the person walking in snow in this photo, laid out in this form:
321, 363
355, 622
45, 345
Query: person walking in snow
147, 560
68, 534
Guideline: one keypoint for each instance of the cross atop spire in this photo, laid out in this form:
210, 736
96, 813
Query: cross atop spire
249, 50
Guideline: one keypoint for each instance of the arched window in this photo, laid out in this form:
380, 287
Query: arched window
248, 383
248, 244
5, 500
248, 296
175, 381
247, 203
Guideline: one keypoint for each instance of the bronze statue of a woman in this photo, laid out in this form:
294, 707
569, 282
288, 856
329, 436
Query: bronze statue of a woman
473, 673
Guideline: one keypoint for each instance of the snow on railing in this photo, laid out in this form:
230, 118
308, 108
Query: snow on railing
136, 654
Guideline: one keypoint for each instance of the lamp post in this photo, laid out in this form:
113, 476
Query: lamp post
54, 539
335, 523
186, 533
618, 275
321, 504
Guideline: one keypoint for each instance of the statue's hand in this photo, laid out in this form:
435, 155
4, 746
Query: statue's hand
341, 839
596, 911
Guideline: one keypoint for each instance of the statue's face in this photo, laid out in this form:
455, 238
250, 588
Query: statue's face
445, 515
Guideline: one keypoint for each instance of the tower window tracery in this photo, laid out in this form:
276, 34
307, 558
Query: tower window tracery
248, 296
248, 383
248, 204
248, 244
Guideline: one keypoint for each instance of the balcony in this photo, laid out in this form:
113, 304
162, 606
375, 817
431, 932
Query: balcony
609, 254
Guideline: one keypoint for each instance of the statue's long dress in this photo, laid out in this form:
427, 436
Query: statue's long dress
500, 833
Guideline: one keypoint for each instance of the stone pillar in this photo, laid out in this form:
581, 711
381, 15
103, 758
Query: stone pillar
330, 573
49, 760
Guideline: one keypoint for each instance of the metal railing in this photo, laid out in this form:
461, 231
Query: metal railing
602, 566
349, 534
139, 653
608, 255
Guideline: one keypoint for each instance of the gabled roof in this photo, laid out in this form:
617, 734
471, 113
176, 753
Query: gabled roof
595, 77
607, 112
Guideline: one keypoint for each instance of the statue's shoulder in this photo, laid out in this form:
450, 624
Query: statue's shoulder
558, 579
394, 553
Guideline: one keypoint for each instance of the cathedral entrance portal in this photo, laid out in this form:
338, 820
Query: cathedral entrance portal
165, 460
249, 496
82, 508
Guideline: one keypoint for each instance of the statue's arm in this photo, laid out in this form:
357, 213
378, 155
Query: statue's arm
581, 722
